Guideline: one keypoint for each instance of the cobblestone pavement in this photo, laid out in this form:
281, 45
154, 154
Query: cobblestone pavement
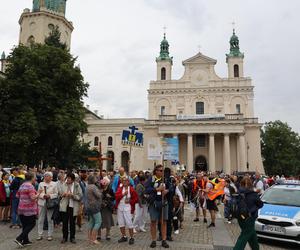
193, 236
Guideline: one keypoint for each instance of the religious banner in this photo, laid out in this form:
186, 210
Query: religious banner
154, 149
131, 137
170, 148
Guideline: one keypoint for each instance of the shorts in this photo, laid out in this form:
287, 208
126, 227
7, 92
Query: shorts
124, 219
211, 205
6, 203
156, 213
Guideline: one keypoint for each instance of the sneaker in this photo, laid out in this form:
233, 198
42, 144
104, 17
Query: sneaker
143, 230
108, 237
123, 239
229, 221
20, 244
131, 241
134, 231
204, 220
39, 238
176, 232
29, 243
211, 225
49, 238
153, 244
164, 244
197, 219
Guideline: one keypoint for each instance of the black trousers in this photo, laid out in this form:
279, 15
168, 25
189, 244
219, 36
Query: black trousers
68, 219
28, 223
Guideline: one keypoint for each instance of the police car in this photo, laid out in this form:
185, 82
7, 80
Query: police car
279, 218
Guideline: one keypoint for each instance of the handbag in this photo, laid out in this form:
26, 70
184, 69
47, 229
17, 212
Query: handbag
52, 203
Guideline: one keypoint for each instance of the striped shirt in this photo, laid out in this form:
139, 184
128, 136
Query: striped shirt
27, 206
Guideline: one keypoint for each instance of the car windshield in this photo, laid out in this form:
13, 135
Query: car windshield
282, 196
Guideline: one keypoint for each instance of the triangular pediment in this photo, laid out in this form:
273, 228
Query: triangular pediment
199, 59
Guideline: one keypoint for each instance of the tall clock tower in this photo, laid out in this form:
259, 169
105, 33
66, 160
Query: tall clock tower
36, 24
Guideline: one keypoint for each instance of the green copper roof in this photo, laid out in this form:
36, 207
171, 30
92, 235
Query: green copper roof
234, 47
164, 50
3, 55
58, 6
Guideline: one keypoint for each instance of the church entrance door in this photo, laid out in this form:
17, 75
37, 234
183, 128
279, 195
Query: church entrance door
200, 163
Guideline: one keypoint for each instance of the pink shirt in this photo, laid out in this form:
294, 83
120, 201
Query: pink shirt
27, 206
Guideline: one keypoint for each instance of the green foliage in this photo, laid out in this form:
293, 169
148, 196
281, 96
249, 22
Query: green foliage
80, 154
41, 108
54, 39
280, 149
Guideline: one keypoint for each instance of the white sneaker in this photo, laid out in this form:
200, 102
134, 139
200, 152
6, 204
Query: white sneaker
143, 230
176, 232
134, 231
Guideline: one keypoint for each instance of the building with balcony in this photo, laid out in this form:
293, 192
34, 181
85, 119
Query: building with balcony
212, 117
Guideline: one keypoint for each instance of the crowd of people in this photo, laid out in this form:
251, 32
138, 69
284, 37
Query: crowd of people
55, 198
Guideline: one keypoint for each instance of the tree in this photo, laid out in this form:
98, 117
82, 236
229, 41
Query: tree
280, 149
41, 108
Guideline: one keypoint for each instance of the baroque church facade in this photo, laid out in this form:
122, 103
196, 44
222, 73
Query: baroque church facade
212, 117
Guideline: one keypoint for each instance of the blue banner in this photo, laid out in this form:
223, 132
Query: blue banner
170, 149
132, 137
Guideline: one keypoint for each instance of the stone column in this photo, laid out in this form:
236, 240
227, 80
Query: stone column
227, 162
212, 155
242, 153
190, 153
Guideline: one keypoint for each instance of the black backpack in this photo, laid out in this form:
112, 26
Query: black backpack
238, 207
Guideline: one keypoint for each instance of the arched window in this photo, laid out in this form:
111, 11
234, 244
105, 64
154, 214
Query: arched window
96, 141
162, 110
163, 73
110, 141
30, 40
199, 108
236, 71
238, 108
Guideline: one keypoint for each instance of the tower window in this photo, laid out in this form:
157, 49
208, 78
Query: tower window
238, 108
30, 40
162, 110
236, 71
163, 73
96, 141
199, 108
110, 141
200, 141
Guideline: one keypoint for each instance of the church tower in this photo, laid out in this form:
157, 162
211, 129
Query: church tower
36, 25
164, 61
235, 59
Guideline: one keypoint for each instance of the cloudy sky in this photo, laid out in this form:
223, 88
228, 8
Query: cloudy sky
116, 42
